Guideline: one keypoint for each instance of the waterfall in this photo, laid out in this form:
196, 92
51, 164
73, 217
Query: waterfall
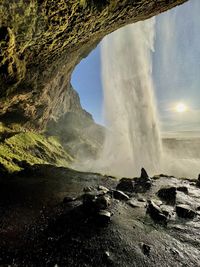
133, 138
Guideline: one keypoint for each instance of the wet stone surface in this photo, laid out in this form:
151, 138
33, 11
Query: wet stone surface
94, 227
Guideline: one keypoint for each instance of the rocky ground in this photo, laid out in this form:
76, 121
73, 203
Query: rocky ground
54, 216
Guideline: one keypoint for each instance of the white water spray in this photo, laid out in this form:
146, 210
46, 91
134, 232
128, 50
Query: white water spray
133, 138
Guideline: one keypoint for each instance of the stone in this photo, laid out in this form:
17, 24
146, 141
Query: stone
156, 213
144, 174
185, 211
68, 199
103, 217
168, 194
146, 249
120, 195
102, 202
198, 181
94, 203
183, 189
167, 210
126, 185
89, 201
102, 189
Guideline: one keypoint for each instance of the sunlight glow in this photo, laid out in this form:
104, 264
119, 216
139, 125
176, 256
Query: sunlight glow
181, 107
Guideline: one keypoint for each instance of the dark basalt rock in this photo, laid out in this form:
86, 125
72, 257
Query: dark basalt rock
144, 174
102, 202
198, 181
68, 199
89, 202
156, 213
94, 203
103, 217
185, 211
183, 189
126, 185
103, 189
120, 195
168, 194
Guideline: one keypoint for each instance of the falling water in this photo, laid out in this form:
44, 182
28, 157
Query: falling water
133, 139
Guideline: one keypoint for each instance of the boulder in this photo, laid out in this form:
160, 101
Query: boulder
156, 213
120, 195
144, 174
183, 189
198, 181
103, 217
68, 199
102, 202
102, 189
126, 185
185, 211
95, 203
168, 194
89, 202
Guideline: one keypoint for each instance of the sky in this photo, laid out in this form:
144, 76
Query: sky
176, 71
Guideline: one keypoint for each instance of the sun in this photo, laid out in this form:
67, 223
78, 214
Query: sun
181, 107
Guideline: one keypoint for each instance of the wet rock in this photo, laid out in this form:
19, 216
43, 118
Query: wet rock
103, 217
156, 213
103, 189
89, 202
198, 181
157, 202
94, 203
183, 189
146, 249
185, 211
126, 185
68, 199
168, 194
117, 194
102, 202
144, 174
167, 210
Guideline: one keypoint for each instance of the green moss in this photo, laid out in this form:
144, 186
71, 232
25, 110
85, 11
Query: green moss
34, 148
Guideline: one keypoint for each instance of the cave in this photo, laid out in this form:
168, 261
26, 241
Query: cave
59, 206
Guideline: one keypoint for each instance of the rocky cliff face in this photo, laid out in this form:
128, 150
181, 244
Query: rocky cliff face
41, 41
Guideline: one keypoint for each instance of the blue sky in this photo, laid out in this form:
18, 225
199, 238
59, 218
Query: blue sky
176, 70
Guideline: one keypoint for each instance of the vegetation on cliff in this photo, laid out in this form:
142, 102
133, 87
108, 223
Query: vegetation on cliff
34, 148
